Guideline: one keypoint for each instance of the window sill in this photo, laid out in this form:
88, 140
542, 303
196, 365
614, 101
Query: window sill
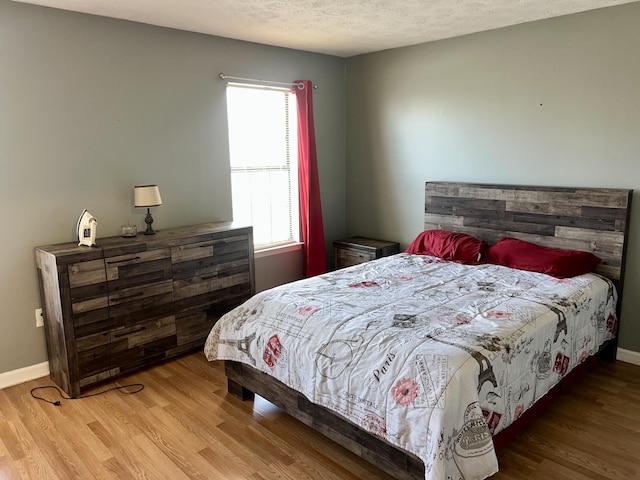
267, 252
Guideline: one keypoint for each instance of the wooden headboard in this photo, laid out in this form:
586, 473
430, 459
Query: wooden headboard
590, 219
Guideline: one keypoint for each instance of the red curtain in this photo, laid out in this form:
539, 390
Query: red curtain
315, 259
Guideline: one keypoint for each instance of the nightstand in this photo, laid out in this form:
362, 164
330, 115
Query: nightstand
355, 250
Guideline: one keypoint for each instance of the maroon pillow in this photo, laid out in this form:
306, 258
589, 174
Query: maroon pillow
458, 247
560, 263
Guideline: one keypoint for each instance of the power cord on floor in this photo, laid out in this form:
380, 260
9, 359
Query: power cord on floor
138, 387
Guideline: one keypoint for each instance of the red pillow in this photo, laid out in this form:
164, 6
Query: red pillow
458, 247
560, 263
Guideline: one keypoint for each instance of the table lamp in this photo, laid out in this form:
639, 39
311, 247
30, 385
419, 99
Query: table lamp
147, 196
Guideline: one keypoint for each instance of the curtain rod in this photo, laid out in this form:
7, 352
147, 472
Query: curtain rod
224, 76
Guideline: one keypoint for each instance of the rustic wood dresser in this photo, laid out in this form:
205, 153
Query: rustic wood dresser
131, 302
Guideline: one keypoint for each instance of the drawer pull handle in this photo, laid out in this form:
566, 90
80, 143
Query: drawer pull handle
128, 297
118, 335
122, 261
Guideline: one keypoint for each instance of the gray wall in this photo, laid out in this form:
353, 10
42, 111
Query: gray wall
90, 106
553, 102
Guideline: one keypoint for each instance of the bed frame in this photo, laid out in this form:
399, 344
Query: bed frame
589, 219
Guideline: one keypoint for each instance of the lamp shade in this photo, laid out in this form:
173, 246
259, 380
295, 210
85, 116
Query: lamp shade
147, 196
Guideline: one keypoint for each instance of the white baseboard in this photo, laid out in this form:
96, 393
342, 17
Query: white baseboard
628, 356
21, 375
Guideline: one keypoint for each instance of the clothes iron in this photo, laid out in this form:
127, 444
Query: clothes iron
87, 225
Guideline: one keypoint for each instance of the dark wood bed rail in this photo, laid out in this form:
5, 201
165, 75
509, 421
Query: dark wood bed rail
243, 381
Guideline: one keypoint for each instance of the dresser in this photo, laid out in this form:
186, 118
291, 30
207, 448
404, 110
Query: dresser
131, 302
355, 250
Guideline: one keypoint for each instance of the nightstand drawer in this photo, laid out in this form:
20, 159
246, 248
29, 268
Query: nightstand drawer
345, 257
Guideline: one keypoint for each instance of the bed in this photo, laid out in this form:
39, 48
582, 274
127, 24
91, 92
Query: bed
422, 365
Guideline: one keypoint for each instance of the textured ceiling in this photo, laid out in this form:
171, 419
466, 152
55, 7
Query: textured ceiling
336, 27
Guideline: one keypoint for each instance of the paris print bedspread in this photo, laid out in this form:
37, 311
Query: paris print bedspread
432, 356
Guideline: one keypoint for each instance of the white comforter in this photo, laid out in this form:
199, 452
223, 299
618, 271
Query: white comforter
432, 356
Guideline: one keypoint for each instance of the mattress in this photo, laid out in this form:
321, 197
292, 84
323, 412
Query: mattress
432, 356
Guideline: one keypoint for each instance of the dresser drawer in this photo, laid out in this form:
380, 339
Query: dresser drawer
187, 257
141, 268
138, 304
210, 278
196, 316
82, 274
122, 310
121, 348
98, 284
204, 267
126, 306
88, 296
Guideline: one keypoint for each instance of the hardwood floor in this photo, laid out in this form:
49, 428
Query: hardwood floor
183, 425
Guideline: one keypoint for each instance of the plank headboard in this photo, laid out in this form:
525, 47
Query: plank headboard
589, 219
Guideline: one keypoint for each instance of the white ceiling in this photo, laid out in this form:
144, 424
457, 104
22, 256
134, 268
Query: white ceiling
335, 27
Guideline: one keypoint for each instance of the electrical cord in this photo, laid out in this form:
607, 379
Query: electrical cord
120, 388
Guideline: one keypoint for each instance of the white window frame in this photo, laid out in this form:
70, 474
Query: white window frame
243, 146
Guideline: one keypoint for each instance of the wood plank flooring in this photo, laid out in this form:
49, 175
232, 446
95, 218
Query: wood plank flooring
183, 425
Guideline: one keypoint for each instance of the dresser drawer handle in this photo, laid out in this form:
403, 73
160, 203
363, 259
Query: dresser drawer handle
128, 297
215, 275
122, 261
118, 335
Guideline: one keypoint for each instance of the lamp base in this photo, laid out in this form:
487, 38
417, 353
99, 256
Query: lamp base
149, 220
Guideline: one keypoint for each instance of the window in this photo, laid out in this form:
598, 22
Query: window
263, 151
